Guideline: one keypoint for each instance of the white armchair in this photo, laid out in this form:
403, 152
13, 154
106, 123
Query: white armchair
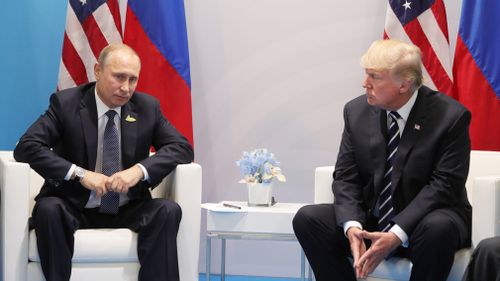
111, 256
483, 188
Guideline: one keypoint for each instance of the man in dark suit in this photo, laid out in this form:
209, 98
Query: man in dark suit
92, 147
485, 261
399, 180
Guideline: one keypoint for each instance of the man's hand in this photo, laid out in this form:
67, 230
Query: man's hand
95, 181
383, 243
358, 247
122, 181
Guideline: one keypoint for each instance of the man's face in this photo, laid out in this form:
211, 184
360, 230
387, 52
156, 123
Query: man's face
117, 78
384, 90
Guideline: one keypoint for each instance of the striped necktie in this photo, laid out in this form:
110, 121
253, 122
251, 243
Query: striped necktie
386, 209
110, 163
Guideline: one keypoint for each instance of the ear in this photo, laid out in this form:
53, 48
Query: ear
405, 86
97, 71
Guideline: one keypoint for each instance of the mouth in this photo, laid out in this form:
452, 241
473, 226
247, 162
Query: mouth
121, 97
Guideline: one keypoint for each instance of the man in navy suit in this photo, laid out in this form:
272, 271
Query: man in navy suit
426, 210
70, 147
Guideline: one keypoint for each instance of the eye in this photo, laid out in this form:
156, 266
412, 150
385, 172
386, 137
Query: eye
132, 80
120, 77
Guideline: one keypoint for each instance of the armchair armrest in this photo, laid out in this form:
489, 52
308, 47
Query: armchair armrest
486, 208
323, 179
185, 189
14, 202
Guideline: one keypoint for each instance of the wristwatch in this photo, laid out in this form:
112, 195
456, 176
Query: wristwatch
79, 173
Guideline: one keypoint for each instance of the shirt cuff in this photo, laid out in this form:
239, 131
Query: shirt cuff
70, 172
349, 224
146, 175
401, 234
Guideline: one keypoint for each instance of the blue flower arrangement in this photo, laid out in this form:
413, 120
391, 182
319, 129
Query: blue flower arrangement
259, 166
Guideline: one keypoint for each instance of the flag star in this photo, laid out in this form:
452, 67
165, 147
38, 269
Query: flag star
84, 2
407, 5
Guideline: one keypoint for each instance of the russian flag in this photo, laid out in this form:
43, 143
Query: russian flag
476, 70
156, 30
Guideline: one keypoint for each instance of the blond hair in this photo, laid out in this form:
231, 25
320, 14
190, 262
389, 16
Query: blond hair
401, 59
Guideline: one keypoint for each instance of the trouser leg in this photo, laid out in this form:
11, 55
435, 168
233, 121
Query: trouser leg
485, 261
433, 244
55, 223
157, 223
324, 243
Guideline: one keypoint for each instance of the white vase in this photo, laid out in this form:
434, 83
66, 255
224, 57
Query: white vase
260, 194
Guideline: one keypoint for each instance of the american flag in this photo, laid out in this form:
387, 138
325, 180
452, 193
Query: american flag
423, 23
90, 26
156, 29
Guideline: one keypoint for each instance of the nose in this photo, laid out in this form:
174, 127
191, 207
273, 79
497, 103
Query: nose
125, 87
366, 84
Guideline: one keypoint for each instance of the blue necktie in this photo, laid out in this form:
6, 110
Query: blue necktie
386, 210
110, 163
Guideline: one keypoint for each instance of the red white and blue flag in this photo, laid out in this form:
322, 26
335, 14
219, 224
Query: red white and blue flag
477, 70
423, 23
155, 29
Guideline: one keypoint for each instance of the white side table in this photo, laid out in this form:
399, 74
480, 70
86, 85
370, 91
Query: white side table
265, 223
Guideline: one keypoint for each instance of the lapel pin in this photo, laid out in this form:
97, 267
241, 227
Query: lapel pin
130, 119
417, 127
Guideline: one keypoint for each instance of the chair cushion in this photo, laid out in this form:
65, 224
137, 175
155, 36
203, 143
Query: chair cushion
462, 258
400, 268
97, 245
393, 269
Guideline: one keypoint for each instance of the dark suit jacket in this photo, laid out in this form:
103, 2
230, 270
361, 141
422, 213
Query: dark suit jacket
67, 134
430, 169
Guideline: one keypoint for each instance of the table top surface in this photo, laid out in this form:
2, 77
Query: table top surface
244, 208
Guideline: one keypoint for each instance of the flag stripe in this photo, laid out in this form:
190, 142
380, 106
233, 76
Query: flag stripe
94, 35
429, 58
77, 36
439, 43
114, 9
70, 56
439, 12
65, 80
107, 25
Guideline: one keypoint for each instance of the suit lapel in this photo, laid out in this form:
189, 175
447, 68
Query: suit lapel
414, 124
378, 145
129, 120
88, 116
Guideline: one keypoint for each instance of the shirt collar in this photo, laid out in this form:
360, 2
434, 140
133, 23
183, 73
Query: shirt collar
405, 110
103, 108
